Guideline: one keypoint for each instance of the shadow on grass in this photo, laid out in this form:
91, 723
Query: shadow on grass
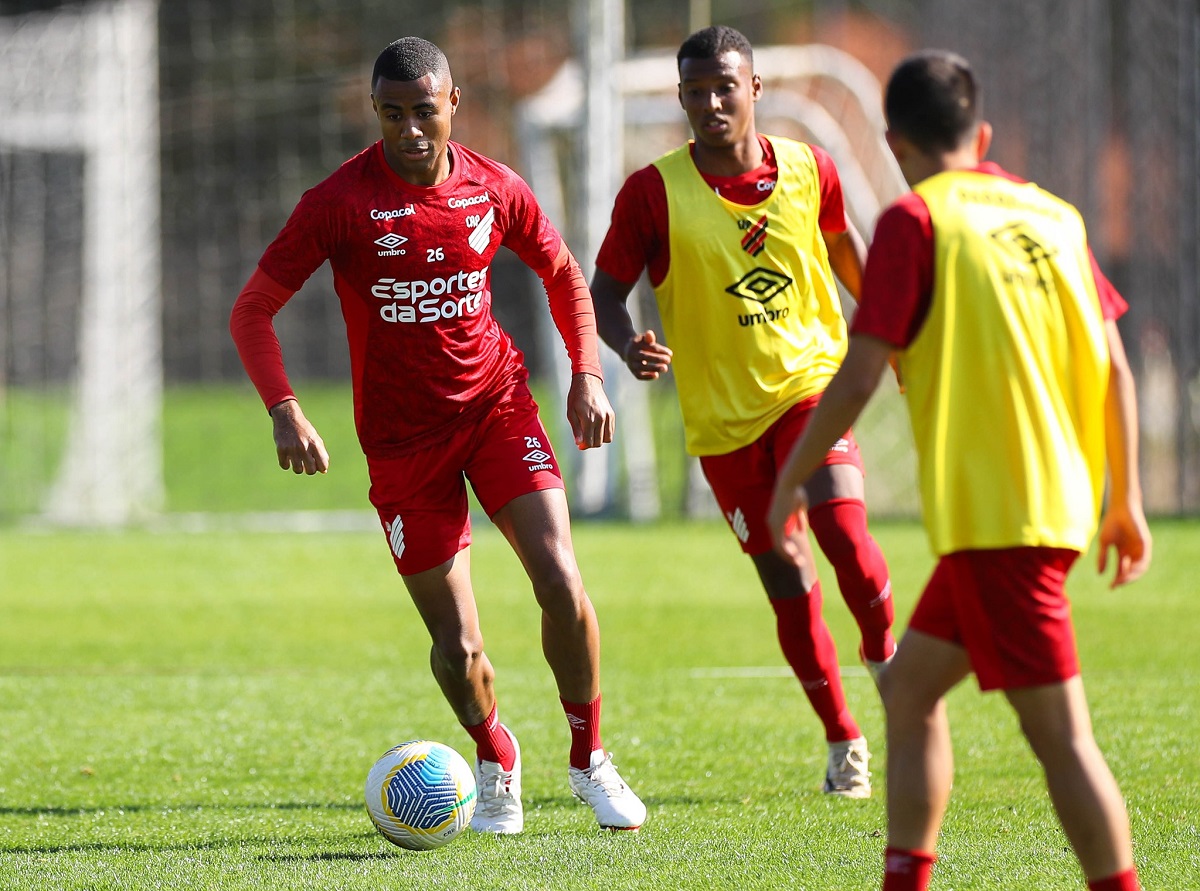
533, 804
171, 808
167, 810
333, 856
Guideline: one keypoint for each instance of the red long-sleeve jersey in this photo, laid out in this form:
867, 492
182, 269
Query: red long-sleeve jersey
411, 267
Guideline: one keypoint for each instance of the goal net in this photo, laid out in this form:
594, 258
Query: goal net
80, 357
83, 322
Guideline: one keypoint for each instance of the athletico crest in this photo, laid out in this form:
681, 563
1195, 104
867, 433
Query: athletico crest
755, 238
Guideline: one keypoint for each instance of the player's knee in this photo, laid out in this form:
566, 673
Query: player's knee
1059, 743
834, 542
892, 694
905, 699
457, 653
559, 590
842, 535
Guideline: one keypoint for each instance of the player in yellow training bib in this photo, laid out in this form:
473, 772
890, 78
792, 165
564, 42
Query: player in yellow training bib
1020, 395
741, 235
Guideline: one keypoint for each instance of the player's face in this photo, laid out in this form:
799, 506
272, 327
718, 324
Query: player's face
718, 96
414, 117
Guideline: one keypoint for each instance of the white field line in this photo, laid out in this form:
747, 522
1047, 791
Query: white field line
269, 521
749, 672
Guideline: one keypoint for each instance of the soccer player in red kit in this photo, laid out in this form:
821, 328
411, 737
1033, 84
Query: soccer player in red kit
742, 234
410, 227
1020, 396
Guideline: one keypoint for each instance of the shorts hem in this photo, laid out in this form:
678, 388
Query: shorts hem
539, 484
426, 565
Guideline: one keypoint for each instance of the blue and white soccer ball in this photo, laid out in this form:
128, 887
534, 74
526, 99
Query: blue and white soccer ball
421, 794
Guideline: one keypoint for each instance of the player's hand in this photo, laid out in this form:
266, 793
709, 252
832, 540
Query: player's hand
1127, 532
297, 443
646, 357
786, 521
589, 412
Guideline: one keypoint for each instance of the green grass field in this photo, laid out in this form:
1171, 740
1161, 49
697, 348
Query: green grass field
200, 711
218, 455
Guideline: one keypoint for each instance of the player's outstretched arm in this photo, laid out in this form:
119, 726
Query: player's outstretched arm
589, 412
297, 444
642, 354
1123, 526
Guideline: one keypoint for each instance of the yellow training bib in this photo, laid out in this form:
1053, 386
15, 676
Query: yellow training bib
749, 304
1007, 378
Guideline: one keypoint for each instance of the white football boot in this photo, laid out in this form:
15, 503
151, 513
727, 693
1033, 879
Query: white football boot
499, 809
601, 788
847, 774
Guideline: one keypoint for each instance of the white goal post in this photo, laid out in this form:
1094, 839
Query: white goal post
84, 80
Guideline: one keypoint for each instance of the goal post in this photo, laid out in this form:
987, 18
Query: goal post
83, 81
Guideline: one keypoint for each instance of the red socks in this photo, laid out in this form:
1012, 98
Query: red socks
584, 720
1122, 881
910, 871
808, 647
907, 870
840, 527
492, 741
495, 743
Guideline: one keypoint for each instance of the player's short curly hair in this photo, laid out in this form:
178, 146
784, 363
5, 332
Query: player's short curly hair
708, 43
932, 99
409, 58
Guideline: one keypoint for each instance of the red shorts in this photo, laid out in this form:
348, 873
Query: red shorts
1008, 608
743, 481
422, 496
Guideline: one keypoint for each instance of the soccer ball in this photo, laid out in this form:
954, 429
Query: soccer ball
420, 794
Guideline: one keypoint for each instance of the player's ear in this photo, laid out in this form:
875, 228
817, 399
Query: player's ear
983, 140
455, 95
756, 87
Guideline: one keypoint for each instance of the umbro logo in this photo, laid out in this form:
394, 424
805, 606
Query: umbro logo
759, 284
391, 241
391, 245
538, 460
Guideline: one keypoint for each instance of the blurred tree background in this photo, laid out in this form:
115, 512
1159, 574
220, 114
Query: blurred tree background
1093, 99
